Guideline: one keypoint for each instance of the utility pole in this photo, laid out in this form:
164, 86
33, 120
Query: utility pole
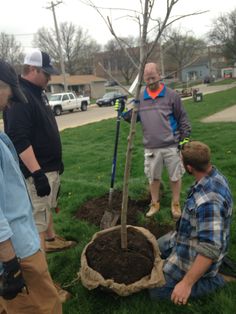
52, 7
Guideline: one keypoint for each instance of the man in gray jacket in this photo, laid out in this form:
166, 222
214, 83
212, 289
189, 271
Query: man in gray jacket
165, 127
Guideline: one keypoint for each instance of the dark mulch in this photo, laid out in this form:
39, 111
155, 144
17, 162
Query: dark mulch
93, 210
123, 266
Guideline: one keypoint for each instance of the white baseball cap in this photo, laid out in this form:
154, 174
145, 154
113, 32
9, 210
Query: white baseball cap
40, 59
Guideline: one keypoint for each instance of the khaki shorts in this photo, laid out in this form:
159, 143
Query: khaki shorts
43, 297
156, 159
43, 205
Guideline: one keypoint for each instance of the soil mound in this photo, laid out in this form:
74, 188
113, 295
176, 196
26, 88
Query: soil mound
123, 266
93, 210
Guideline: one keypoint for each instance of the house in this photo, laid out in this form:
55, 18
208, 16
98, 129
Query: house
209, 64
197, 70
86, 85
229, 72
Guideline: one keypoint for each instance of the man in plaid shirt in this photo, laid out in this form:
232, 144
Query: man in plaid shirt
194, 252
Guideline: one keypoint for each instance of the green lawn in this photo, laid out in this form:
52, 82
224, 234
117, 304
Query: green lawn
182, 85
223, 82
88, 154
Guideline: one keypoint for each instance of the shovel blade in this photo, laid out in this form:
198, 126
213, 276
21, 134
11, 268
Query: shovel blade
109, 219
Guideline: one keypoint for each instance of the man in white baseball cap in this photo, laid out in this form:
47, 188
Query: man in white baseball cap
42, 60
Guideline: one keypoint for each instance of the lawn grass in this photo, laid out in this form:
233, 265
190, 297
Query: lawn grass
223, 82
87, 152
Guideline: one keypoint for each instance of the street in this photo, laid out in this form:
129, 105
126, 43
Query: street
78, 118
95, 113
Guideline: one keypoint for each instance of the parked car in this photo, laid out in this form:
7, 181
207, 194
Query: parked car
110, 98
208, 79
67, 102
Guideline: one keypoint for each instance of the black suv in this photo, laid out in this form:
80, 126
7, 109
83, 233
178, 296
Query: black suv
110, 98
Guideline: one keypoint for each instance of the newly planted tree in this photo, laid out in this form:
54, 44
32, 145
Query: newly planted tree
148, 24
103, 245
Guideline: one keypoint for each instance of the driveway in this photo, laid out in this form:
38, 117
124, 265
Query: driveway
94, 114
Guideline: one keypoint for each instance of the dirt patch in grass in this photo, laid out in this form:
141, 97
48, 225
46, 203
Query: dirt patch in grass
92, 211
105, 256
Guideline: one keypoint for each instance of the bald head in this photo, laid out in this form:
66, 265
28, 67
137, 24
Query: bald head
151, 66
152, 76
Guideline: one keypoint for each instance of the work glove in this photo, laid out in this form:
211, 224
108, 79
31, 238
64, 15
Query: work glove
41, 183
61, 170
120, 105
183, 142
117, 104
12, 279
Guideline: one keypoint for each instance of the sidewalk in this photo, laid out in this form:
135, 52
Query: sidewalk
227, 115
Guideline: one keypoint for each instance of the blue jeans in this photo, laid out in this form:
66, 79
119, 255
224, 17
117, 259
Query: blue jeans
203, 286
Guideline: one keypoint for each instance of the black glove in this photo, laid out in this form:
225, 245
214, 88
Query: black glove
12, 279
61, 170
41, 183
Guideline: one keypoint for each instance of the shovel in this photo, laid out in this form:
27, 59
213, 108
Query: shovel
111, 216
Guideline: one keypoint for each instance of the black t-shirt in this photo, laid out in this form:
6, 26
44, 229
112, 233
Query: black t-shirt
34, 124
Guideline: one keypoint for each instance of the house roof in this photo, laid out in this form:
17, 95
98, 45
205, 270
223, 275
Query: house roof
75, 79
202, 60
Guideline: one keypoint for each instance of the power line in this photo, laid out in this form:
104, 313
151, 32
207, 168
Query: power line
26, 34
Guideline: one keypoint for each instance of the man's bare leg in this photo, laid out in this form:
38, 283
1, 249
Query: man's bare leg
50, 233
155, 190
175, 205
155, 195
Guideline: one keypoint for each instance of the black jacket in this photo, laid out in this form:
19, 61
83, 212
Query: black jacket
34, 124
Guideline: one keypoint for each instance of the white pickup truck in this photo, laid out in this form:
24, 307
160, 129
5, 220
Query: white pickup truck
67, 102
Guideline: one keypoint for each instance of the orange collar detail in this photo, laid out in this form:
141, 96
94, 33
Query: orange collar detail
155, 94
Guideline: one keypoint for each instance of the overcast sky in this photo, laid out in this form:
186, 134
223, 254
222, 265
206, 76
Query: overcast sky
24, 17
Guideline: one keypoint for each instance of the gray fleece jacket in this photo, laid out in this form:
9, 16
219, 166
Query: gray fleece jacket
164, 120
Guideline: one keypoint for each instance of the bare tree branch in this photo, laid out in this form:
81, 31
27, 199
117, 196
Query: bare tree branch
119, 42
91, 4
165, 24
114, 79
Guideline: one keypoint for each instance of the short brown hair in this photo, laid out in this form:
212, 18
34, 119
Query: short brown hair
197, 155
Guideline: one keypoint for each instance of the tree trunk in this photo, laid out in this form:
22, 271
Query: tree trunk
143, 54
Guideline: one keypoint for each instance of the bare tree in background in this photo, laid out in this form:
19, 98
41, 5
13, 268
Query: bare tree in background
86, 61
151, 28
77, 47
224, 33
116, 58
180, 49
10, 49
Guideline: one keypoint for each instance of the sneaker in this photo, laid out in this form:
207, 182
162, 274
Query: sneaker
58, 244
63, 294
154, 208
176, 210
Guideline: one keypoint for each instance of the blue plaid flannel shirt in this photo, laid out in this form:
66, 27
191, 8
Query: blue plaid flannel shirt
205, 222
